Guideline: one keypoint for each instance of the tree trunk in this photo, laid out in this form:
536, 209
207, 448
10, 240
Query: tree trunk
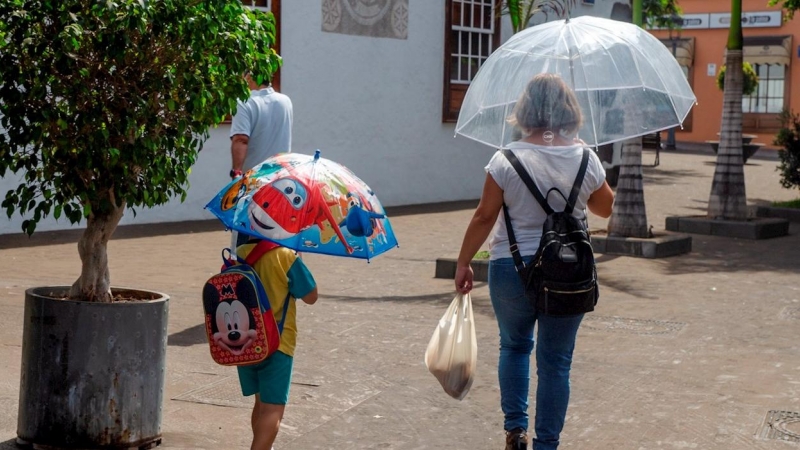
94, 284
629, 217
728, 199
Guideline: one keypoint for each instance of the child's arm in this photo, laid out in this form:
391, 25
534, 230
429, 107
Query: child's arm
311, 297
301, 283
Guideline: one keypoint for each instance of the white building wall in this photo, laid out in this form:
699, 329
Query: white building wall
375, 105
372, 104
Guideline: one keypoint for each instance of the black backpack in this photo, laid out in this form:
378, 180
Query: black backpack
563, 279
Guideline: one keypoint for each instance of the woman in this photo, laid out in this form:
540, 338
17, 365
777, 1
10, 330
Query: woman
549, 117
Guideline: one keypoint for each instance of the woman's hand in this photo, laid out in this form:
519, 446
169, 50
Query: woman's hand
464, 276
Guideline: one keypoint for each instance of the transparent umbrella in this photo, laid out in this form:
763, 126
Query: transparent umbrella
626, 81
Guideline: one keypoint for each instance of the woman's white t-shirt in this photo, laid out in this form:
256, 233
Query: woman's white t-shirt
549, 167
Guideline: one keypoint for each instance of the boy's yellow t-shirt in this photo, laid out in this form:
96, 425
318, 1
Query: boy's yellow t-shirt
282, 272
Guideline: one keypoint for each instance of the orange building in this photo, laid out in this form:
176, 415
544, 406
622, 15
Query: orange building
770, 44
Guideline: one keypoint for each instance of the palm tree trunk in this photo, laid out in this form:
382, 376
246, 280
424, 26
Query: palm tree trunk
728, 199
629, 216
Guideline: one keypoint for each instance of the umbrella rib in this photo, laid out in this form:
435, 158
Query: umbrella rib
586, 80
538, 54
505, 105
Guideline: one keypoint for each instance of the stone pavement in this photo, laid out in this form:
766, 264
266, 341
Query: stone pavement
688, 352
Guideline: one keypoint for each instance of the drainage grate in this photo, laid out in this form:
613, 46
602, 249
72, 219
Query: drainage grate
781, 425
633, 326
224, 392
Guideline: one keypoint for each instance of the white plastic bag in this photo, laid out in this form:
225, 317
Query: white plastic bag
452, 352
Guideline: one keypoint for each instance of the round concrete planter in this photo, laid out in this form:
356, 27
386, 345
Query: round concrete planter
92, 373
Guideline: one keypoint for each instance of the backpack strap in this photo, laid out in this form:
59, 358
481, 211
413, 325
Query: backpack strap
526, 178
255, 254
258, 251
537, 194
576, 186
512, 241
283, 316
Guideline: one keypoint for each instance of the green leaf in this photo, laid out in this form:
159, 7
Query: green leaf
514, 14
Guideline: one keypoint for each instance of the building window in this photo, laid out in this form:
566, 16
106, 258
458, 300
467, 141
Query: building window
770, 95
260, 4
472, 32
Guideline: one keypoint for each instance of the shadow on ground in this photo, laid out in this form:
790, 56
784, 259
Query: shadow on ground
659, 176
714, 254
10, 444
188, 337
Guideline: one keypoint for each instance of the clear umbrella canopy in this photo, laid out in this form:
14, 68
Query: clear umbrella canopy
626, 81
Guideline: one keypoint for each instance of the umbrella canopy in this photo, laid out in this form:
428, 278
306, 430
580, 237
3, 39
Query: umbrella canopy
626, 81
306, 203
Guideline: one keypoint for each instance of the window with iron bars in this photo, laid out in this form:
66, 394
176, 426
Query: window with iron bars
472, 32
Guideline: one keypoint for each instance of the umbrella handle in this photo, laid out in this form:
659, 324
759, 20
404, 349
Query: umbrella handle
227, 260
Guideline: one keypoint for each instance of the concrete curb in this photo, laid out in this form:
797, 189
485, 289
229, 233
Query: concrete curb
446, 268
656, 247
757, 228
790, 214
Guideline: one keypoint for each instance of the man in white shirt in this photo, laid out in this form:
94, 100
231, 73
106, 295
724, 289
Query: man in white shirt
261, 127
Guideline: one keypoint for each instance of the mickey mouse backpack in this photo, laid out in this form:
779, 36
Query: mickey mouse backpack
240, 326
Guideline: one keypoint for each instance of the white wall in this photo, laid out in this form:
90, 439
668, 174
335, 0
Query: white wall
372, 104
375, 105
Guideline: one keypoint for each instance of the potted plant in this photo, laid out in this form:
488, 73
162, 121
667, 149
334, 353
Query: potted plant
750, 79
104, 106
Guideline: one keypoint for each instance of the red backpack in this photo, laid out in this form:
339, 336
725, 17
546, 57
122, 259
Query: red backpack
240, 326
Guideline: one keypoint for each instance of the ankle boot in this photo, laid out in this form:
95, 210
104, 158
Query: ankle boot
517, 439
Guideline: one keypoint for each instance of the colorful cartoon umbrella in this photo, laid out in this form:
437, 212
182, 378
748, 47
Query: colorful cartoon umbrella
306, 203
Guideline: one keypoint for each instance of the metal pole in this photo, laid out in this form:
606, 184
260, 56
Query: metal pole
671, 132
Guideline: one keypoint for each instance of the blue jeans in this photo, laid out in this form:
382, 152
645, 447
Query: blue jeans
516, 317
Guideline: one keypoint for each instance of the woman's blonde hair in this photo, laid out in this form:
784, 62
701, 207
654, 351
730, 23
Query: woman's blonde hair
547, 103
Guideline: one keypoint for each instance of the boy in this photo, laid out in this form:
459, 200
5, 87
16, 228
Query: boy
283, 273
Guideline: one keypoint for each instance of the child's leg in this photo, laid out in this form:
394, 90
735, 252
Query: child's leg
266, 423
273, 378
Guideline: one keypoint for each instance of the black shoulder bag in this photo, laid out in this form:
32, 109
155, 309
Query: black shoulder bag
563, 279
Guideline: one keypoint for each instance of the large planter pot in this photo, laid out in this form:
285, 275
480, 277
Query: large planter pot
92, 373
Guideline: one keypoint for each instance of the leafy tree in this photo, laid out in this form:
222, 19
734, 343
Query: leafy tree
728, 199
789, 5
105, 105
789, 138
661, 14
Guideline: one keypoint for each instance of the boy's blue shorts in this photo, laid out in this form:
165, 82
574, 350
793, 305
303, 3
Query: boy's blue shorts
270, 379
